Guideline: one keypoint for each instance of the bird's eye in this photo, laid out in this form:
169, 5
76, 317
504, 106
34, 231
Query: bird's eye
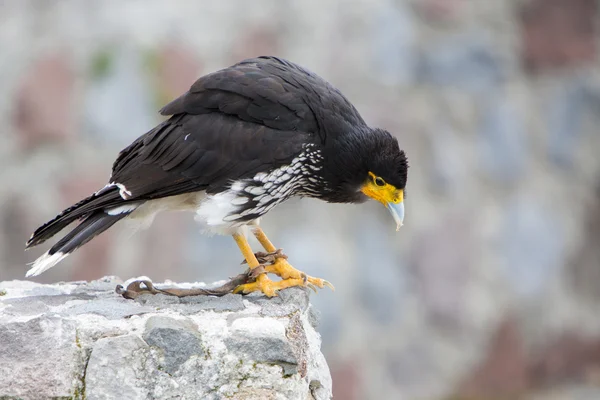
379, 181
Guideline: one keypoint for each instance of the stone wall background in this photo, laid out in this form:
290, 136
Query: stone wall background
493, 284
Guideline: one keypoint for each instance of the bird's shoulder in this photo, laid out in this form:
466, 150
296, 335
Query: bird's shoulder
272, 92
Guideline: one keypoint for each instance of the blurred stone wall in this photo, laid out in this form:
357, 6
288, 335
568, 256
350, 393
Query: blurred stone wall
492, 287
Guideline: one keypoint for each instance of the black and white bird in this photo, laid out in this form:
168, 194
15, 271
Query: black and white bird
241, 141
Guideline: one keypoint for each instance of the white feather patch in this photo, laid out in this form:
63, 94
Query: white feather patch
123, 192
214, 209
127, 208
238, 186
255, 190
45, 262
240, 201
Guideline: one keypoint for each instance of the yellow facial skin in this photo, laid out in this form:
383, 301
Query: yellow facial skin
377, 189
384, 194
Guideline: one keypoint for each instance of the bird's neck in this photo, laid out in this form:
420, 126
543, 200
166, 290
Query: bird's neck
344, 169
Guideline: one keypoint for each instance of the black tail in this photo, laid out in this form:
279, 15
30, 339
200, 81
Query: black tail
98, 212
106, 197
89, 228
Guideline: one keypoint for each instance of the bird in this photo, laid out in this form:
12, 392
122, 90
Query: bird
239, 142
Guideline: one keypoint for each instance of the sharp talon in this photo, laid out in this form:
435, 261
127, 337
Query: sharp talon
286, 272
304, 277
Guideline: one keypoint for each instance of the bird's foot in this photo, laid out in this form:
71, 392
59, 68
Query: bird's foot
268, 287
285, 271
289, 275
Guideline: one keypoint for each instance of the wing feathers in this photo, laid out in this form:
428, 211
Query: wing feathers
179, 157
196, 152
253, 116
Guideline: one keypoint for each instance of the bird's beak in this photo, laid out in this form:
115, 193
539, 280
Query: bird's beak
397, 211
387, 195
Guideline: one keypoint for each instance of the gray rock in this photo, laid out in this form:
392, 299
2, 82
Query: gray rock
109, 308
229, 302
157, 300
86, 342
262, 340
288, 302
116, 369
314, 317
39, 358
107, 283
177, 340
45, 291
36, 305
25, 306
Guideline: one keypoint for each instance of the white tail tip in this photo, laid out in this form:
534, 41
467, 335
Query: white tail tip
45, 262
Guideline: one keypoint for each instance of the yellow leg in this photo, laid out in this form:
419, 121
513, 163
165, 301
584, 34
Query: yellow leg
281, 267
246, 250
263, 239
290, 276
262, 283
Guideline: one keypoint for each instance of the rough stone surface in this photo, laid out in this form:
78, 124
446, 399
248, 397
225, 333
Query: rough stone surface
38, 353
81, 340
176, 340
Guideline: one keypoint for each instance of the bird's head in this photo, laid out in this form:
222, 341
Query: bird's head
387, 169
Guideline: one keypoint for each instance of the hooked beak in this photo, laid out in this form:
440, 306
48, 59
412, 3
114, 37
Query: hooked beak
397, 211
387, 195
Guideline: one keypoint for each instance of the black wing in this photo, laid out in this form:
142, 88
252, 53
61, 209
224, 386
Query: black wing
252, 117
